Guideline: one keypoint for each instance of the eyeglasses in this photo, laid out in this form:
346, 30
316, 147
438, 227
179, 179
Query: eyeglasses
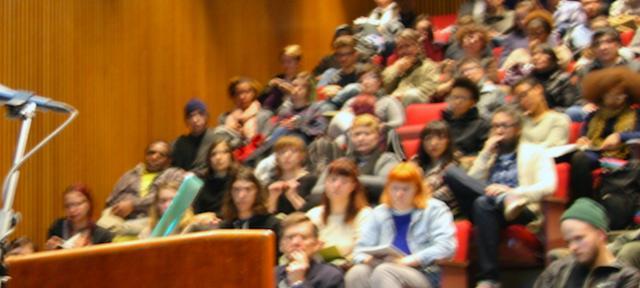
452, 98
503, 125
344, 54
152, 152
74, 204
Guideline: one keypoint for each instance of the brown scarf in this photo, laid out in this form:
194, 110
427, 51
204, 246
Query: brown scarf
625, 120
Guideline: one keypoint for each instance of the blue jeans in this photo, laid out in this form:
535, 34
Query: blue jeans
487, 215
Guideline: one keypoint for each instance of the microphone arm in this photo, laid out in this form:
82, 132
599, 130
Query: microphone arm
23, 105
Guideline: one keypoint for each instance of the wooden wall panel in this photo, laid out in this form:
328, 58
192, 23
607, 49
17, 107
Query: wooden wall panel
129, 66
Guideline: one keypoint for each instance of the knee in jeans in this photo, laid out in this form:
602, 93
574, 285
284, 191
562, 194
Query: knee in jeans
357, 273
382, 271
483, 202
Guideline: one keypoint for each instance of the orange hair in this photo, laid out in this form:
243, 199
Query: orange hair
407, 172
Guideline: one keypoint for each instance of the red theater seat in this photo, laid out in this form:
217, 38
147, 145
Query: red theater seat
626, 37
410, 147
574, 131
443, 21
419, 115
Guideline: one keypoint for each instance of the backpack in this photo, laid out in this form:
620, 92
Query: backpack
619, 193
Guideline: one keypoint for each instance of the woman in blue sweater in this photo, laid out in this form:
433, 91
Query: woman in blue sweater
408, 220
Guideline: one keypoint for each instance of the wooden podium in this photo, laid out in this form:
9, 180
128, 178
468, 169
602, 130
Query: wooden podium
221, 258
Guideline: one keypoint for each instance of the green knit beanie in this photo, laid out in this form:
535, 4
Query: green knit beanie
589, 211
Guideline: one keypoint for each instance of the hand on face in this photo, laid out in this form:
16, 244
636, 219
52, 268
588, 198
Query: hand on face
491, 145
297, 268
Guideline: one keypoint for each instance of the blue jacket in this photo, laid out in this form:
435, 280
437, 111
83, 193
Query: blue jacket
431, 233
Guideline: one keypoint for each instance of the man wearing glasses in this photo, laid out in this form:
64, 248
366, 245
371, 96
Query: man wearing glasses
504, 186
134, 192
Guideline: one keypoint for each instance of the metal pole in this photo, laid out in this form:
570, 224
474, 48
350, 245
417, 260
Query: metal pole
26, 114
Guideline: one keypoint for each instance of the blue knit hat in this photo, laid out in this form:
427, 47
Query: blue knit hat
193, 105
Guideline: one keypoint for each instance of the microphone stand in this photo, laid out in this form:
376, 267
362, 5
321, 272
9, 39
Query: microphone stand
25, 111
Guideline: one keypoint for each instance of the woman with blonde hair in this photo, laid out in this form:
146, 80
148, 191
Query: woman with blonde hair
282, 84
419, 228
167, 191
369, 153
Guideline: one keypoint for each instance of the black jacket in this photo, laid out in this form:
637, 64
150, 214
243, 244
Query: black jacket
469, 131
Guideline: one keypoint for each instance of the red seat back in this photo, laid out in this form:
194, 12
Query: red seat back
626, 37
574, 131
443, 21
421, 114
562, 190
410, 147
463, 235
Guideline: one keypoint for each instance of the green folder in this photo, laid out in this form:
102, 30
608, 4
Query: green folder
188, 190
330, 253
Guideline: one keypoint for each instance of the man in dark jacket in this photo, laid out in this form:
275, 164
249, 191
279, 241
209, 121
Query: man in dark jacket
190, 150
584, 226
299, 242
468, 128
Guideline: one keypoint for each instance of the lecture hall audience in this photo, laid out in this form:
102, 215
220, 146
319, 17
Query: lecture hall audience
515, 82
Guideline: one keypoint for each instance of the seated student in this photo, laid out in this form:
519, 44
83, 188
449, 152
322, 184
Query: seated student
435, 154
584, 227
624, 7
539, 24
475, 44
504, 186
470, 40
432, 50
299, 116
499, 18
369, 154
605, 46
468, 128
385, 17
491, 96
613, 90
19, 247
516, 37
330, 61
371, 99
559, 92
247, 119
245, 204
291, 183
299, 243
77, 229
128, 204
541, 125
412, 78
343, 209
167, 191
414, 223
220, 168
189, 151
333, 80
281, 85
566, 15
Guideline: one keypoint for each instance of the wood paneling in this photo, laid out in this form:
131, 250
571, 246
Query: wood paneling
129, 66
